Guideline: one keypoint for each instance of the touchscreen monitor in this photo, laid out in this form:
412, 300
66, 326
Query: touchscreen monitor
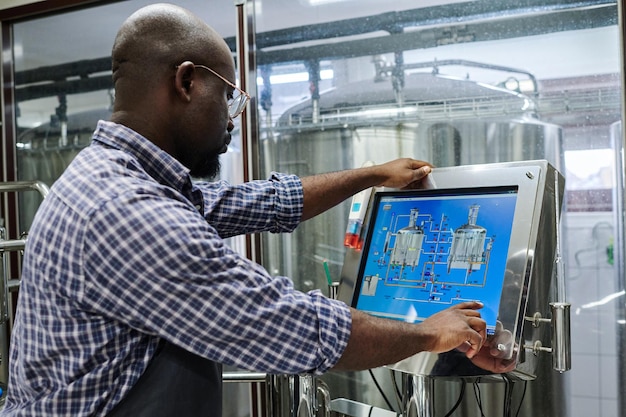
426, 250
476, 232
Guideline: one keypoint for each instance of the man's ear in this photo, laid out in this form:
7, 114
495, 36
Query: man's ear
185, 74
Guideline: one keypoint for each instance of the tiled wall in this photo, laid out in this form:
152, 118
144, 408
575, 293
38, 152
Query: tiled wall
591, 289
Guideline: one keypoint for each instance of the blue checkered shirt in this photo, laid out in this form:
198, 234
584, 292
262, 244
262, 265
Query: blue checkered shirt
126, 251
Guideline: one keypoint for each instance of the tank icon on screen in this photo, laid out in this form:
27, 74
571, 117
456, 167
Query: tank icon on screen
408, 244
468, 244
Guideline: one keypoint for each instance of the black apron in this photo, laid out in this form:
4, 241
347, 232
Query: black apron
175, 384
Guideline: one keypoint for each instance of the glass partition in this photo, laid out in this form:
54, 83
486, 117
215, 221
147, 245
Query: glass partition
63, 86
345, 82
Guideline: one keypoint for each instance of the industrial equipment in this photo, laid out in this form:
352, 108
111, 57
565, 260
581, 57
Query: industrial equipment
449, 122
522, 202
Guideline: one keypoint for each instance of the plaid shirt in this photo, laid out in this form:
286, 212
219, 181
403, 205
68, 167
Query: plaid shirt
126, 251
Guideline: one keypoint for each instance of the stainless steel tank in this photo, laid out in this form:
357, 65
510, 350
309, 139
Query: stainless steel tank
444, 120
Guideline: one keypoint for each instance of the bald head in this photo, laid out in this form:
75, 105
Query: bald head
164, 60
155, 39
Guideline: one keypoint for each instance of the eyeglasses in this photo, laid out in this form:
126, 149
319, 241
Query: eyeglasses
238, 101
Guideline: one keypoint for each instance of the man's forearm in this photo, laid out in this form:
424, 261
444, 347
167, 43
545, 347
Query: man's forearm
324, 191
376, 342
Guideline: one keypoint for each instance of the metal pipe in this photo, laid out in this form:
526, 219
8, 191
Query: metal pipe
4, 351
244, 377
467, 63
246, 60
12, 245
447, 16
619, 242
561, 337
314, 88
281, 391
418, 396
13, 186
322, 406
560, 269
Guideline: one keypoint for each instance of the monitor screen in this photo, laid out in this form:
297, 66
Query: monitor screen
426, 250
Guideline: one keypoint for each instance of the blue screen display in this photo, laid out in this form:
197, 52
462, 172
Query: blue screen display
430, 249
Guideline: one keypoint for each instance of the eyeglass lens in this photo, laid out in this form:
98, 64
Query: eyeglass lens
237, 104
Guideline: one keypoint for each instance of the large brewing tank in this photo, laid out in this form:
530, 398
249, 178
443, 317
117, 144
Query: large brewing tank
444, 120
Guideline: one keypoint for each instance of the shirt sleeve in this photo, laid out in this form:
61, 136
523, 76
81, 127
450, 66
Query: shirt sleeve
158, 266
273, 205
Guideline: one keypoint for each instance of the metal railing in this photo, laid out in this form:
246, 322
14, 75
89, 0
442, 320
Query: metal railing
7, 283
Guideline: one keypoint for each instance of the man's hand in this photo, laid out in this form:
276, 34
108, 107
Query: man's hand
485, 359
403, 173
459, 326
498, 354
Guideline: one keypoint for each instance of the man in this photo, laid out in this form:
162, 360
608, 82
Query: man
130, 300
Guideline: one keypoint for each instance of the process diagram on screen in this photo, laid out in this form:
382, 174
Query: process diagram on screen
424, 255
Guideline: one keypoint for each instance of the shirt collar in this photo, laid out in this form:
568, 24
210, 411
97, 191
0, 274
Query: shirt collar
160, 165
